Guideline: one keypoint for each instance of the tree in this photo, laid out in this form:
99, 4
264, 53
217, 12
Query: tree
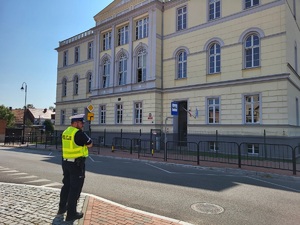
7, 115
48, 126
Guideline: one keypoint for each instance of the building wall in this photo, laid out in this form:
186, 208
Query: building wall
276, 80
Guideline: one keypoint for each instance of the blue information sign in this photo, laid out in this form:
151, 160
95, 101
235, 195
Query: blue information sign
174, 108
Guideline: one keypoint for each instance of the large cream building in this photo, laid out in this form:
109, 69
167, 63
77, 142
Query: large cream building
227, 66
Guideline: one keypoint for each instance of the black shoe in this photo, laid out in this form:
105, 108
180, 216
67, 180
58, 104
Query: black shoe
77, 216
62, 210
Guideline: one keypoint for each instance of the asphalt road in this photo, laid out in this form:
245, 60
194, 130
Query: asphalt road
192, 194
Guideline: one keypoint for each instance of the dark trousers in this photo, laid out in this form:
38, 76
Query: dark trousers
74, 174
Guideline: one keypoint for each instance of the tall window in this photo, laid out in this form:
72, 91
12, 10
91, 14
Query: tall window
181, 18
62, 117
90, 50
214, 9
213, 110
119, 113
182, 65
65, 62
106, 73
138, 112
252, 57
102, 114
296, 58
252, 108
122, 70
214, 58
76, 85
251, 3
141, 65
76, 59
107, 41
123, 35
64, 87
89, 84
297, 112
74, 112
141, 29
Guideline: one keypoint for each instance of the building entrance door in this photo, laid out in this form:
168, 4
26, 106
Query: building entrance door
182, 123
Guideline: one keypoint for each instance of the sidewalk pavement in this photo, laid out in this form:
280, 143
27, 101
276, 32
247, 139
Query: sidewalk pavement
26, 204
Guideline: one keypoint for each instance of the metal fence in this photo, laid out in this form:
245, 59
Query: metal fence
266, 155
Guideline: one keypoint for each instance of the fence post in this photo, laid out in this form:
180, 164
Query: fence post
99, 142
294, 161
240, 155
198, 154
131, 146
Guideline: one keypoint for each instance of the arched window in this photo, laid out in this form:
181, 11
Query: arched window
141, 65
252, 51
214, 58
105, 73
89, 82
181, 65
64, 87
76, 85
122, 69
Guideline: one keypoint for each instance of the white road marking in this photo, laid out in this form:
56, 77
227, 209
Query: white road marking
26, 177
159, 168
10, 171
52, 184
278, 185
36, 181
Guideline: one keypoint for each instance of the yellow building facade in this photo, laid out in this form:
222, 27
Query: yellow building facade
228, 66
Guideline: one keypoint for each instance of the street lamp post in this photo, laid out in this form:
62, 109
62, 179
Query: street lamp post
25, 107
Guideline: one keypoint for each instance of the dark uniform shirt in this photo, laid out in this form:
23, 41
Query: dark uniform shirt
81, 138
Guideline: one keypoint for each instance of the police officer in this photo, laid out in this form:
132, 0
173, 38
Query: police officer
75, 145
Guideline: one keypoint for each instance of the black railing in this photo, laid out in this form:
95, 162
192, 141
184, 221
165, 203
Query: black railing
274, 156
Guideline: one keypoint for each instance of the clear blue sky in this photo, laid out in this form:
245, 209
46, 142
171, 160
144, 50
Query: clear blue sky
30, 30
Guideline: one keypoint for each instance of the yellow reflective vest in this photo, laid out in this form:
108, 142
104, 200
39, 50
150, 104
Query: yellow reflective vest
69, 148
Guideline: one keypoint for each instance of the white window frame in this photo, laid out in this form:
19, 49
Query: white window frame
181, 64
76, 54
252, 109
119, 113
250, 50
102, 114
107, 41
122, 69
214, 57
62, 117
76, 85
65, 60
89, 82
181, 18
142, 28
141, 70
213, 105
105, 73
64, 87
214, 9
252, 149
123, 35
251, 3
138, 112
90, 50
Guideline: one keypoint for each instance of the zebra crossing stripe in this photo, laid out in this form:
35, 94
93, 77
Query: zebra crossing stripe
36, 181
52, 184
26, 177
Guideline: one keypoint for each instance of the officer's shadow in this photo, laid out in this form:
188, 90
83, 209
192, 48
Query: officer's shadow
59, 219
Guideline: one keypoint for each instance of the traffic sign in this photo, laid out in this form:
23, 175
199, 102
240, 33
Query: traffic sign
174, 108
90, 116
90, 108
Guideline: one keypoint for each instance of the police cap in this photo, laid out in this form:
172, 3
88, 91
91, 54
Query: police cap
78, 117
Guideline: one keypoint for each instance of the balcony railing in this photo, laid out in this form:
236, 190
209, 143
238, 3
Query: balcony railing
76, 37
